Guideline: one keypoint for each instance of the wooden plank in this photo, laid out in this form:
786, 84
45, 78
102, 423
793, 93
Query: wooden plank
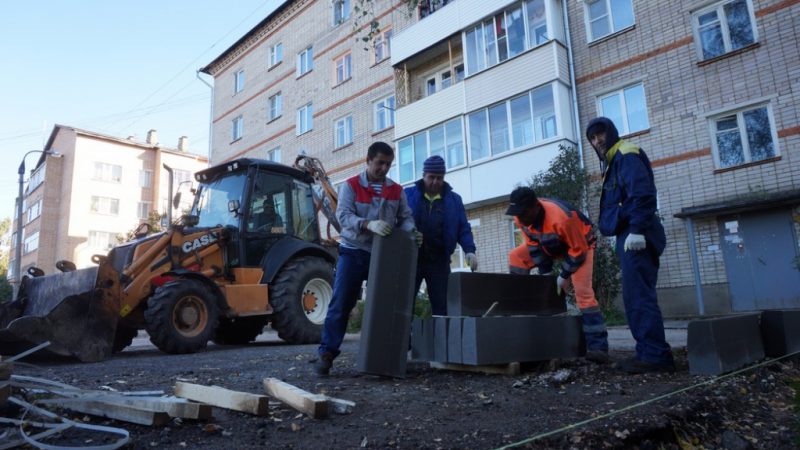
224, 398
175, 407
501, 369
340, 405
314, 405
112, 411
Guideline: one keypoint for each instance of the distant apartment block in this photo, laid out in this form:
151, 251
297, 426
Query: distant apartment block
99, 187
710, 90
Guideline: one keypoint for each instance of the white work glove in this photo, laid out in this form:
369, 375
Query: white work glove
379, 227
635, 242
560, 284
472, 261
417, 236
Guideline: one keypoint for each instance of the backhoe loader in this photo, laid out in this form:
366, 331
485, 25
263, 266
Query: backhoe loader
248, 253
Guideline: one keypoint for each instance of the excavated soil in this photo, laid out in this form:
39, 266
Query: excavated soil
437, 409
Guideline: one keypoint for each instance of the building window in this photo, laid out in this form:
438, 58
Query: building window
144, 210
724, 27
627, 108
383, 45
343, 68
36, 179
384, 113
445, 140
305, 61
275, 54
103, 240
274, 155
30, 243
513, 124
107, 172
105, 205
237, 128
604, 17
743, 136
181, 176
305, 119
343, 131
506, 35
146, 178
238, 82
34, 211
444, 79
275, 106
341, 11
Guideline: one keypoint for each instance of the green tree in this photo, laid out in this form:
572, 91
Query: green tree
365, 26
6, 290
566, 180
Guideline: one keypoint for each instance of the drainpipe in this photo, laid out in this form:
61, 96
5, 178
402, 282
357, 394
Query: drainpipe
575, 115
698, 286
210, 113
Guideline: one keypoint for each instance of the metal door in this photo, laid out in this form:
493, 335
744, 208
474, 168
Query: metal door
759, 250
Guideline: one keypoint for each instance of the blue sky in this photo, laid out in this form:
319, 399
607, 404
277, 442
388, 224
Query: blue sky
110, 66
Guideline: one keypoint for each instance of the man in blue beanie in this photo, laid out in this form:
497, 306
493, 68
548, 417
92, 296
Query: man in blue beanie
439, 215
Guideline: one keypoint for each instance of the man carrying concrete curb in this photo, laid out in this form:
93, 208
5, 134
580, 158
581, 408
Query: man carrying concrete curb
555, 230
369, 204
628, 212
440, 217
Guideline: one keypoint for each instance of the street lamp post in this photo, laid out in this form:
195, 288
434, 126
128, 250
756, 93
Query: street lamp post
18, 248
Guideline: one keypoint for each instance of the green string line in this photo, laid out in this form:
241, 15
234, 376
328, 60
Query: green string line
642, 403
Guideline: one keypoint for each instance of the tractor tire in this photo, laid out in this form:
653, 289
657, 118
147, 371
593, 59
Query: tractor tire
300, 297
181, 316
123, 338
238, 330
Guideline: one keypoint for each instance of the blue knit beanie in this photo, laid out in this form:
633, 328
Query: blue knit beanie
435, 165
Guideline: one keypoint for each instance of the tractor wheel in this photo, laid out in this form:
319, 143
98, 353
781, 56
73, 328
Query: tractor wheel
181, 316
123, 338
300, 297
239, 330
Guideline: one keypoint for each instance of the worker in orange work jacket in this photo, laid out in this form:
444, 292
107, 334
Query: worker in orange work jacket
555, 230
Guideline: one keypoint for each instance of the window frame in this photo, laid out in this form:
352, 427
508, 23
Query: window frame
139, 206
34, 211
610, 14
238, 81
742, 130
237, 128
106, 177
724, 27
305, 60
380, 109
30, 241
275, 106
274, 151
275, 55
624, 128
347, 128
383, 42
106, 206
346, 60
305, 116
340, 12
97, 234
416, 164
145, 178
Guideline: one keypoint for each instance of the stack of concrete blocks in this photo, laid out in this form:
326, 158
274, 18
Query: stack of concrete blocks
526, 323
724, 344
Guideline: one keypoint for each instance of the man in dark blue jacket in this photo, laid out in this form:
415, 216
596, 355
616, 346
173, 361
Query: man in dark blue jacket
440, 217
628, 211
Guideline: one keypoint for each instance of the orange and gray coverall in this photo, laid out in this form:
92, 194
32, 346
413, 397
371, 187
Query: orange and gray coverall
564, 233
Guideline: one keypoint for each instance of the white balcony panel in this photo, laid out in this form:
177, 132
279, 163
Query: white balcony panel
505, 80
564, 117
429, 111
497, 178
442, 24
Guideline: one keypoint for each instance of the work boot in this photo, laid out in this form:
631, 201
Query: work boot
324, 363
635, 366
597, 356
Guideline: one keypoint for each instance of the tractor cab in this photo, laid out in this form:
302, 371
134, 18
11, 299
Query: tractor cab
260, 204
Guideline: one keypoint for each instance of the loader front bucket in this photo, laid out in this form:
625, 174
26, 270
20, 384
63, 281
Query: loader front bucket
68, 309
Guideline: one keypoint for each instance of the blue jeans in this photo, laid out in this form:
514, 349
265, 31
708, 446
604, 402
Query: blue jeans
351, 271
435, 273
639, 276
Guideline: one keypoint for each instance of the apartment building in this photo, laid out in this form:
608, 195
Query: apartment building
95, 189
304, 81
485, 85
710, 90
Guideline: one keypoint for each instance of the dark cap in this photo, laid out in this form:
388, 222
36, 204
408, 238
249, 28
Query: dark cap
521, 199
435, 165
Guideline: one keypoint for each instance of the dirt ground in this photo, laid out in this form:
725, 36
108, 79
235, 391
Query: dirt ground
435, 409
